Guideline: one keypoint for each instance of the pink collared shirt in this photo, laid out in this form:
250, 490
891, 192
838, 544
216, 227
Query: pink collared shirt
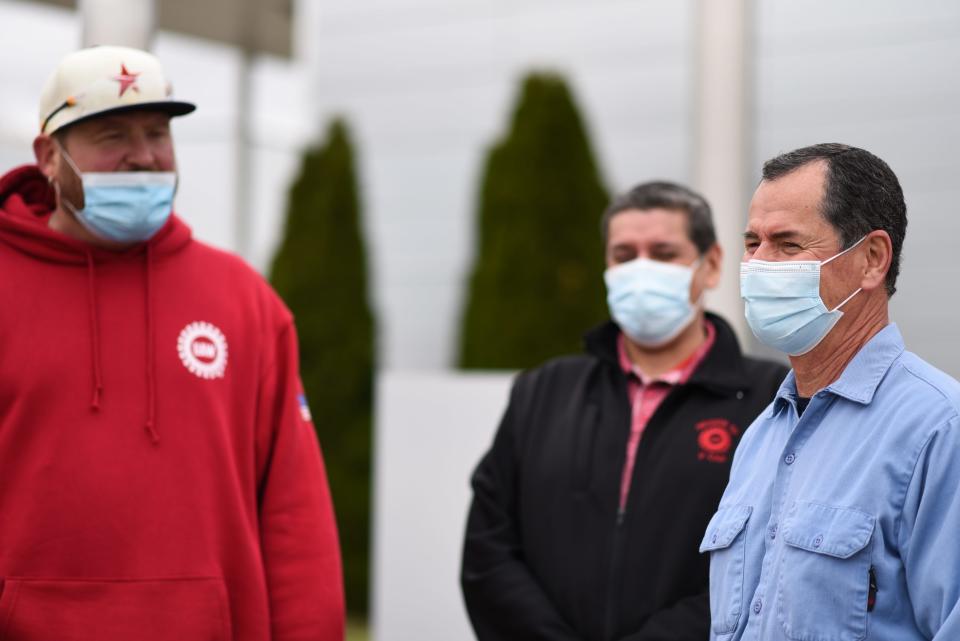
647, 393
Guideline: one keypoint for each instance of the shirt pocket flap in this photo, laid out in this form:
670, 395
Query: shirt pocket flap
724, 527
836, 531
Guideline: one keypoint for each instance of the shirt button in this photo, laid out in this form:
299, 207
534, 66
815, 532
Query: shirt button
818, 541
713, 539
790, 458
773, 531
757, 606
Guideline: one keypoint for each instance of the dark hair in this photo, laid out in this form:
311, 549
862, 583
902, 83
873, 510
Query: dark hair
661, 194
861, 194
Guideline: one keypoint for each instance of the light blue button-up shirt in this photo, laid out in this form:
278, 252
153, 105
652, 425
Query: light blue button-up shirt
863, 488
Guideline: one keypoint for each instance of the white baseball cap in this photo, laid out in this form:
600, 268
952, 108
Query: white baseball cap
98, 80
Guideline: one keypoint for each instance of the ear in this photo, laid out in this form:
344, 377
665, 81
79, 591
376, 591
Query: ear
47, 153
878, 255
712, 262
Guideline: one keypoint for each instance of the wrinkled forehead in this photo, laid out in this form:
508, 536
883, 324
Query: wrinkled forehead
792, 202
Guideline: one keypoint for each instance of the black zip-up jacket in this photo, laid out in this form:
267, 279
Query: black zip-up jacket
547, 555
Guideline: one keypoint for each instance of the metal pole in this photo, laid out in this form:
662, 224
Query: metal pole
723, 134
242, 160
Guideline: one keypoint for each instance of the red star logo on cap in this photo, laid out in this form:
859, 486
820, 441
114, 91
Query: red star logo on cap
127, 80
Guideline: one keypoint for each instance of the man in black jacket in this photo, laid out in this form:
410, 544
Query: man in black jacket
590, 505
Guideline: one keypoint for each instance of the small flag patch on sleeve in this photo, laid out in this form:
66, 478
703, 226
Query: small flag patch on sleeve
304, 408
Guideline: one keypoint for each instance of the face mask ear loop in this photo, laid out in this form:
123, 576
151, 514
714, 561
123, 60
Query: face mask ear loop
847, 299
66, 156
76, 170
850, 248
859, 289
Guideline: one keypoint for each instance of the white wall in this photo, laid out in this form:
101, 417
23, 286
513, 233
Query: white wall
428, 85
882, 76
431, 430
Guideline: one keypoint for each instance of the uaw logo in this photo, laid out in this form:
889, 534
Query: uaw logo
715, 438
203, 350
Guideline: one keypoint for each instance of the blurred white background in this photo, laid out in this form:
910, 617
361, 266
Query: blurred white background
427, 85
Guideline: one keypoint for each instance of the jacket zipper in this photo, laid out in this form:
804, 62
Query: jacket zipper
619, 529
619, 532
615, 562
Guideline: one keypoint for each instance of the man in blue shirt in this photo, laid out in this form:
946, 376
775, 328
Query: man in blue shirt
841, 517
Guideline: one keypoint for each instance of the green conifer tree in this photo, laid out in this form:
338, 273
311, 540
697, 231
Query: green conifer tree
320, 271
537, 283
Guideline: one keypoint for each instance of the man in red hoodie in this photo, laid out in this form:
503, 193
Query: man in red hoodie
159, 474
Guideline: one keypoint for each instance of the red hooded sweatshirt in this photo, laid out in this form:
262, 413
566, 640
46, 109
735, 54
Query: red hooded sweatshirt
159, 473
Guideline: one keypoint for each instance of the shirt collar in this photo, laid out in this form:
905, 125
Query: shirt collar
679, 373
862, 375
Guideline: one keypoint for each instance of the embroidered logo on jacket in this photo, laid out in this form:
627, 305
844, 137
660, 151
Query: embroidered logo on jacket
203, 350
715, 438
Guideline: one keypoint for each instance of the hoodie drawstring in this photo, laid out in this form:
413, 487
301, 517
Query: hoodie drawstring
151, 354
94, 334
95, 357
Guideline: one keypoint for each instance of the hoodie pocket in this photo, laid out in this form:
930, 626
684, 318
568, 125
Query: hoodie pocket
725, 540
193, 609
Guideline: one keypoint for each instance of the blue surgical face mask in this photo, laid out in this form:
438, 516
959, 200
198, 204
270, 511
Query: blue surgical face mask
124, 207
783, 304
650, 300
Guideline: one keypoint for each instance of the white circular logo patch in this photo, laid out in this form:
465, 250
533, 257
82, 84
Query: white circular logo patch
203, 350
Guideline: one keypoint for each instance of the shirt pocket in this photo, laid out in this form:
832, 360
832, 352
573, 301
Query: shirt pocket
725, 540
824, 577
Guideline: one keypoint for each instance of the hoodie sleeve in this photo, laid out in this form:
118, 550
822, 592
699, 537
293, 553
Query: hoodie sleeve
298, 533
503, 598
